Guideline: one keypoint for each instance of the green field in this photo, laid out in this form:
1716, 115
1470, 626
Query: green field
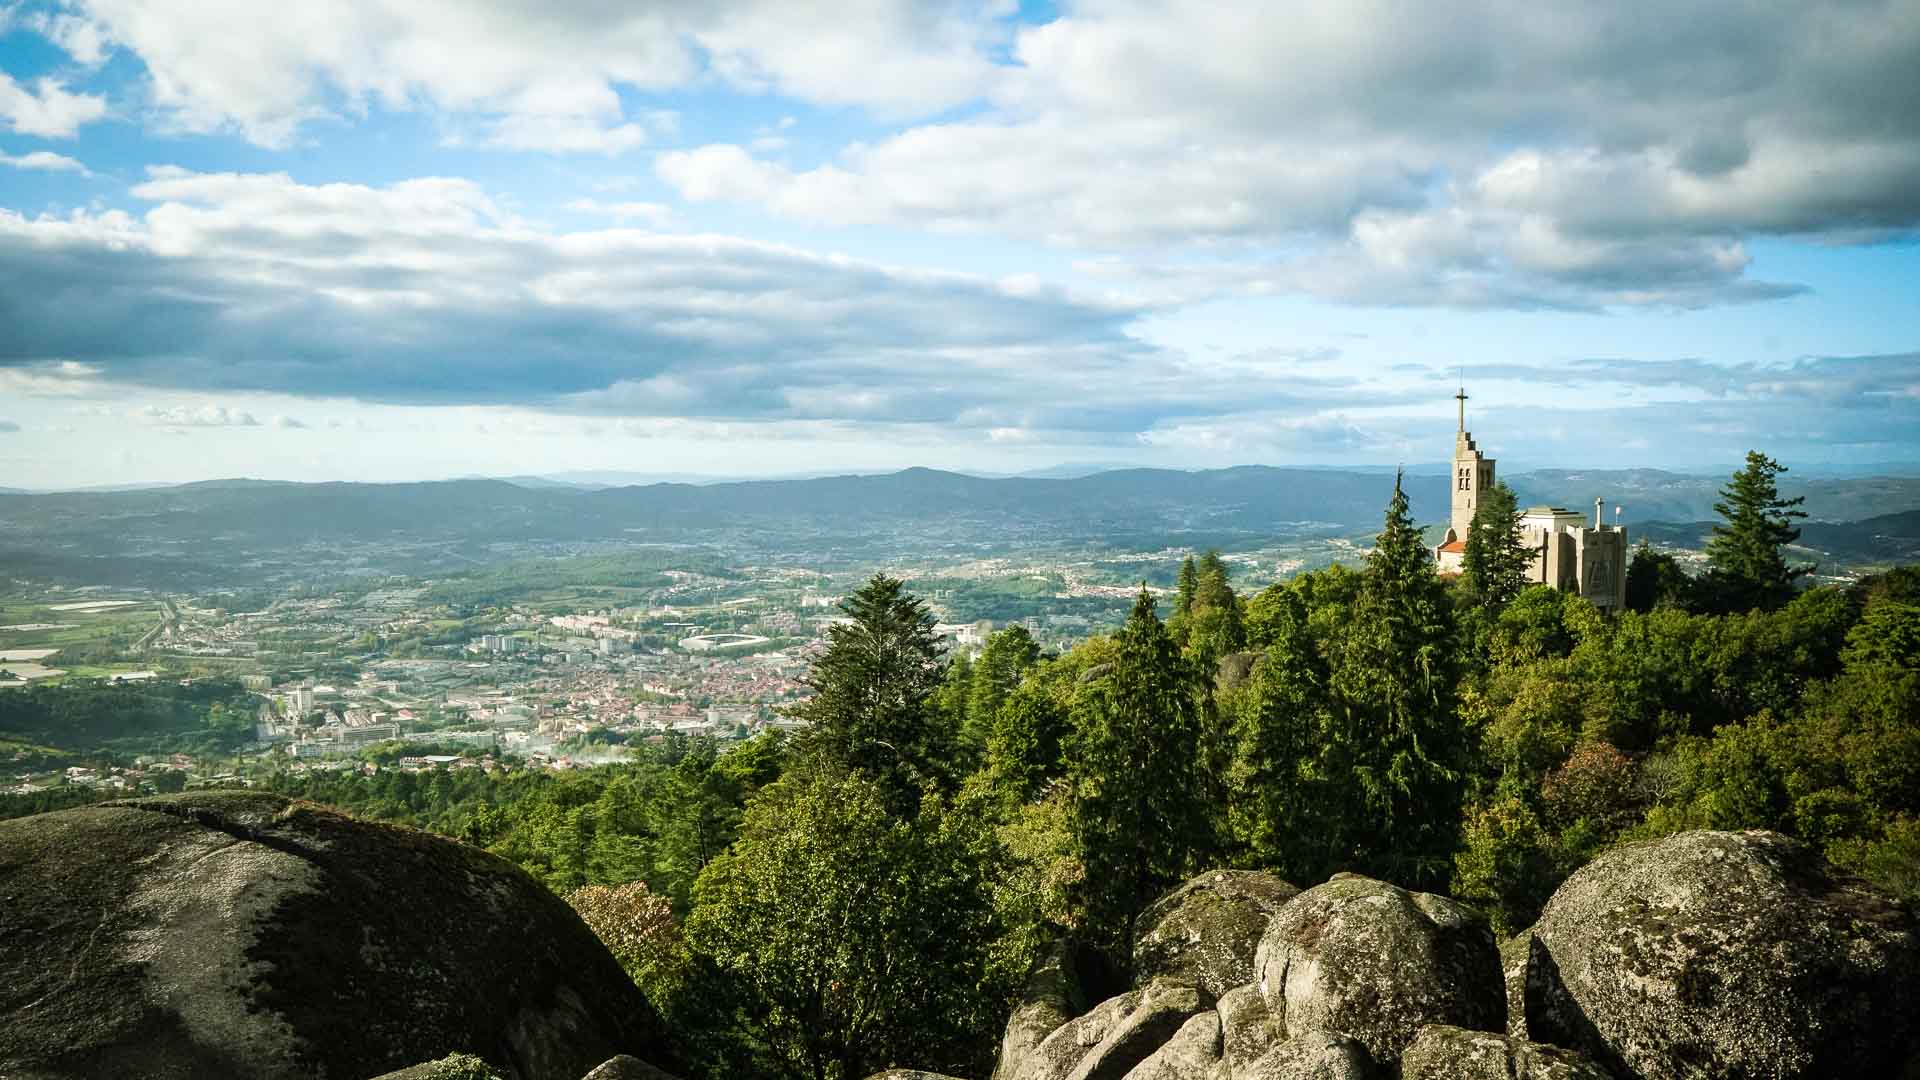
118, 628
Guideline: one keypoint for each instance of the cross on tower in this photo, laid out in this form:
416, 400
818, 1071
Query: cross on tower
1461, 397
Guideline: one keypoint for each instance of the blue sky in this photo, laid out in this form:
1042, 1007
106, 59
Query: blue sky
375, 239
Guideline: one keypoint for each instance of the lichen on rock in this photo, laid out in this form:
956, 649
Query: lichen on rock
1375, 962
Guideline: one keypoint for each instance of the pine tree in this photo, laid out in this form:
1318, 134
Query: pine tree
871, 713
1133, 771
1496, 558
1393, 679
1214, 624
1746, 567
1189, 585
1277, 806
1007, 656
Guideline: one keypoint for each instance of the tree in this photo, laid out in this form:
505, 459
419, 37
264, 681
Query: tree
1496, 558
1393, 676
870, 712
1276, 789
1747, 568
1655, 578
1133, 771
859, 940
1023, 751
1213, 625
1189, 585
1005, 659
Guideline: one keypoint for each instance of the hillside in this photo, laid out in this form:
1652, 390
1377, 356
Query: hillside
223, 530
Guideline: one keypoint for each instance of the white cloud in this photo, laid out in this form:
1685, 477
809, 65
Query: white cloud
543, 76
182, 416
46, 108
652, 214
8, 427
43, 161
1484, 153
287, 423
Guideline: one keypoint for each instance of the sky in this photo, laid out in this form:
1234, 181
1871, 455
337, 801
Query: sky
413, 239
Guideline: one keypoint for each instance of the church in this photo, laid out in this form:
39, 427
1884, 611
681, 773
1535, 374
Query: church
1568, 553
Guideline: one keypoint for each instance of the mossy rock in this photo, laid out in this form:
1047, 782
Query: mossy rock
1726, 955
1372, 961
1205, 932
230, 934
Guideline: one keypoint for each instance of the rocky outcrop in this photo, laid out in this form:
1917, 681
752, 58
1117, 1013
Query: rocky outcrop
1205, 932
1714, 954
1375, 962
1312, 1055
1703, 956
240, 934
1246, 1029
1441, 1052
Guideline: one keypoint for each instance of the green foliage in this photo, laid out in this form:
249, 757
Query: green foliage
871, 711
1005, 660
1748, 569
1496, 559
1024, 747
1655, 579
1133, 768
861, 940
205, 716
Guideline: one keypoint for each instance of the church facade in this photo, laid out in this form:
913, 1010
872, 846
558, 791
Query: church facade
1567, 553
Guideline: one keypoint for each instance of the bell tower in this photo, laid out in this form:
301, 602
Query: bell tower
1472, 474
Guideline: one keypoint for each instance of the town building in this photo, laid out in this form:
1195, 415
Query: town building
1567, 553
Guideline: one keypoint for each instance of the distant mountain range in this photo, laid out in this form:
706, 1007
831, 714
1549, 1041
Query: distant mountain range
228, 527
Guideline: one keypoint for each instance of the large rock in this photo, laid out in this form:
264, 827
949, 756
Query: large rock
1205, 932
1312, 1055
1052, 998
1190, 1054
1715, 954
1246, 1029
1370, 960
1441, 1052
239, 934
1064, 1048
1161, 1011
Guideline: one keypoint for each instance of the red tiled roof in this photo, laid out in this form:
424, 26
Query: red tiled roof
1454, 545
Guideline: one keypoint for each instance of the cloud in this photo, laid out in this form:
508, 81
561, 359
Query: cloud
287, 423
43, 161
427, 292
8, 427
1483, 154
180, 416
545, 76
652, 214
46, 108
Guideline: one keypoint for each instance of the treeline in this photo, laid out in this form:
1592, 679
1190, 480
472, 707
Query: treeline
158, 716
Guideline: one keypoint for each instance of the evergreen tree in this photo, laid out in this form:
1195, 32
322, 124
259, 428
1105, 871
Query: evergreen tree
1747, 569
1496, 558
1189, 585
1393, 678
1655, 578
1023, 752
1277, 809
1214, 624
1007, 656
1133, 772
871, 712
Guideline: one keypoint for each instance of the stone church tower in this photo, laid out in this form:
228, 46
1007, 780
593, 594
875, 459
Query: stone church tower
1472, 475
1567, 554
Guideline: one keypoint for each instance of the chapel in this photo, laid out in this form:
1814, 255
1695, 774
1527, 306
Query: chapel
1567, 552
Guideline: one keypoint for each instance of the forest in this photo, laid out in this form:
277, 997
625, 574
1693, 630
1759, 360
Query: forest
872, 891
